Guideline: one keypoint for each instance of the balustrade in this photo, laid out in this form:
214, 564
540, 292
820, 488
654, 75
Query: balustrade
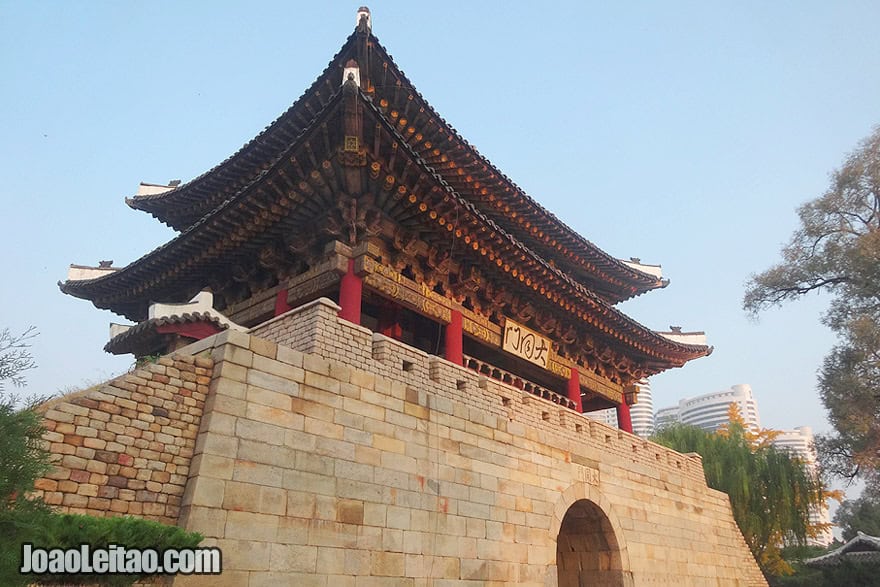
516, 381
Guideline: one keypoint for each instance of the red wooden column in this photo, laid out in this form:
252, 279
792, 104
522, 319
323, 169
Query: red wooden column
351, 290
389, 320
454, 339
281, 305
623, 420
574, 389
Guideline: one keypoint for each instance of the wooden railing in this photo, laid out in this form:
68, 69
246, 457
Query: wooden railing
516, 381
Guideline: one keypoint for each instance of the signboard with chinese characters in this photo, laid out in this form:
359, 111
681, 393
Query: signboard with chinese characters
526, 343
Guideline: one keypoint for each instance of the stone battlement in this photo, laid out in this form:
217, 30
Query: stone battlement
315, 328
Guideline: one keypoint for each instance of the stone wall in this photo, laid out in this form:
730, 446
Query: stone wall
124, 447
330, 455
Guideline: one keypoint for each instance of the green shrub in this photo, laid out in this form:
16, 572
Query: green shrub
45, 529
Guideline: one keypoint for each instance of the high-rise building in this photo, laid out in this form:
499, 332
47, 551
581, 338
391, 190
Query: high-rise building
800, 443
607, 416
710, 411
666, 416
641, 412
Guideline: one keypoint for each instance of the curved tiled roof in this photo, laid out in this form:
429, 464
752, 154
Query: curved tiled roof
157, 267
141, 337
862, 549
181, 207
227, 213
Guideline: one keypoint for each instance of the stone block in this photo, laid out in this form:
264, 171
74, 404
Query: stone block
316, 364
273, 500
263, 347
357, 562
349, 511
388, 564
242, 497
258, 428
290, 357
245, 555
257, 473
293, 530
293, 557
334, 534
398, 517
286, 385
232, 337
269, 398
205, 492
330, 561
323, 382
251, 526
227, 370
209, 465
216, 444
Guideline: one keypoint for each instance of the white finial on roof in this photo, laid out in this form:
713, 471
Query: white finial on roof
351, 72
364, 19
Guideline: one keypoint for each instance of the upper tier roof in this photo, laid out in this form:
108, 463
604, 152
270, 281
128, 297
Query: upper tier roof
262, 210
432, 138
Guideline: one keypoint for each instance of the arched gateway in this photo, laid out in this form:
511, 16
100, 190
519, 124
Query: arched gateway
587, 551
590, 547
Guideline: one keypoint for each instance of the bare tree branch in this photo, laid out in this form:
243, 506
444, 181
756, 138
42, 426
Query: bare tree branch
15, 356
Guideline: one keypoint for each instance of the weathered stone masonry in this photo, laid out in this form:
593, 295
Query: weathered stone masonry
125, 447
329, 455
367, 462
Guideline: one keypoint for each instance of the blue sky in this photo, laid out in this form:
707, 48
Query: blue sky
683, 133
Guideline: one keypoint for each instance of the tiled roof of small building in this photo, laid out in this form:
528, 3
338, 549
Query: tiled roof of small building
143, 338
862, 549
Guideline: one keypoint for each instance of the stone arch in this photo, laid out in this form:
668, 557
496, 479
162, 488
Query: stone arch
590, 542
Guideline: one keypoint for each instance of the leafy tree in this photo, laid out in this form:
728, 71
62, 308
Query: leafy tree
859, 515
756, 439
771, 492
836, 250
803, 575
23, 459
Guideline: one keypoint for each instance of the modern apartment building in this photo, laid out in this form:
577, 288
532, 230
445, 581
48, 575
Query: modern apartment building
641, 413
710, 411
800, 443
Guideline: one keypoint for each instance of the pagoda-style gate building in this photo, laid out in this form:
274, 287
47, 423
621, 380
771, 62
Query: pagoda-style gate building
362, 193
362, 199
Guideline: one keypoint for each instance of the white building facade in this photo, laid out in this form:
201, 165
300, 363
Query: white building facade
641, 412
799, 442
710, 411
